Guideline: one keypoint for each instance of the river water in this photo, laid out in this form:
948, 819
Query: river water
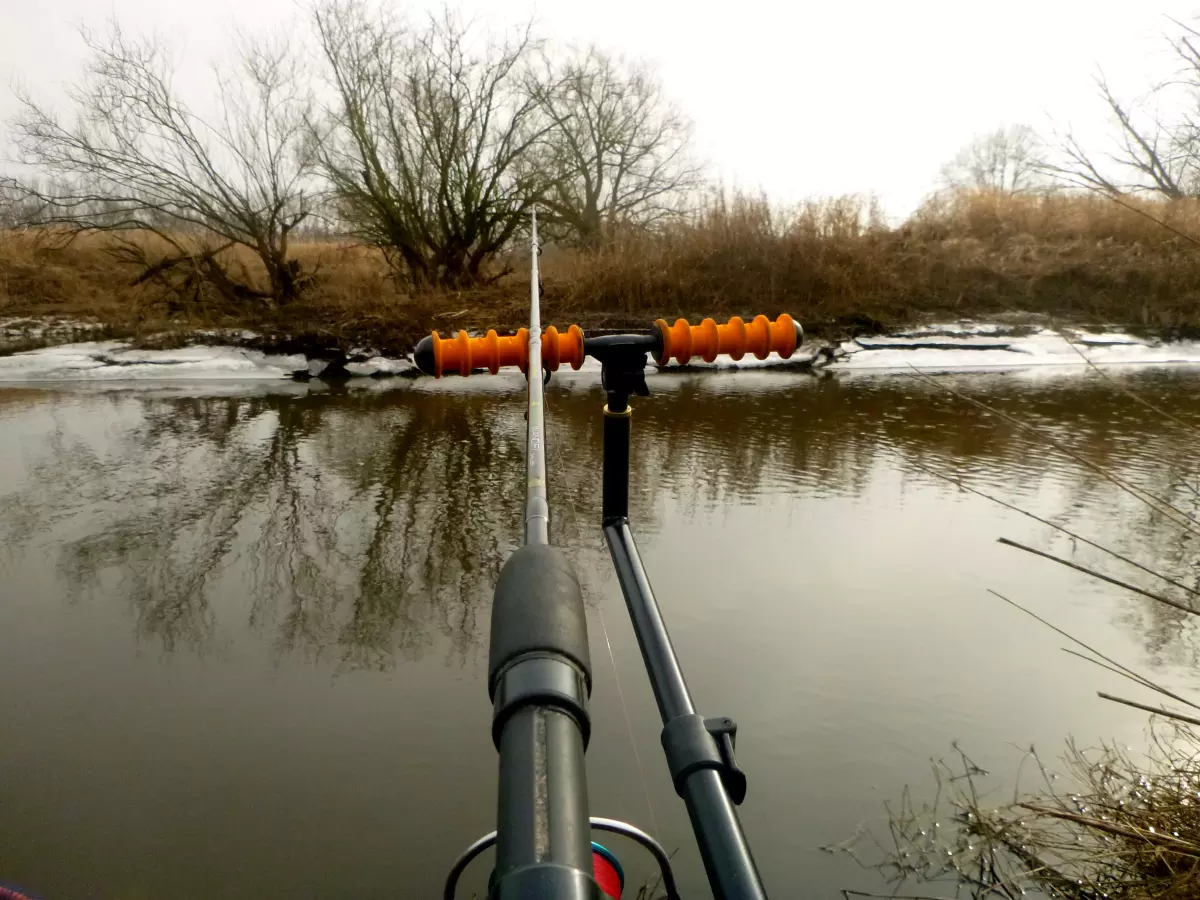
243, 627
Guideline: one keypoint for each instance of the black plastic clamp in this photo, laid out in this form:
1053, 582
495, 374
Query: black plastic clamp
694, 742
622, 365
541, 680
625, 376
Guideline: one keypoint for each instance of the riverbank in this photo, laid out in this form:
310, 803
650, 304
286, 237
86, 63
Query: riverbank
957, 347
1077, 261
1074, 260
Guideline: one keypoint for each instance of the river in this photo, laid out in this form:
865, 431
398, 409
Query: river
243, 628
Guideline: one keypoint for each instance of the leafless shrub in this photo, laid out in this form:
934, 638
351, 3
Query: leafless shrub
134, 158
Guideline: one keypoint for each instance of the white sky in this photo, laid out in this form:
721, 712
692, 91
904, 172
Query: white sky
796, 98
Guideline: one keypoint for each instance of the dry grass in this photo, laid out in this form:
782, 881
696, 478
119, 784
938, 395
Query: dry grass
1109, 825
352, 301
833, 264
1106, 826
1083, 258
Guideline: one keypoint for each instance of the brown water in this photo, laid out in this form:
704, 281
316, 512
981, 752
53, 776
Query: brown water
243, 628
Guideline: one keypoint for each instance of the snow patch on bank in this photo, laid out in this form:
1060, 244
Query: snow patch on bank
936, 351
968, 328
378, 366
116, 360
944, 348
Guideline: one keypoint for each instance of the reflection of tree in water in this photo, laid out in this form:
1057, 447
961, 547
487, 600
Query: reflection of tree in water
829, 434
385, 524
444, 495
173, 495
358, 525
715, 448
349, 526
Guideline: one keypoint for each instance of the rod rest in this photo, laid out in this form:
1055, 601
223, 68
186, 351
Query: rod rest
694, 742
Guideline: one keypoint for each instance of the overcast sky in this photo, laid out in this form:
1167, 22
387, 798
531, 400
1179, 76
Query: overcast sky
795, 98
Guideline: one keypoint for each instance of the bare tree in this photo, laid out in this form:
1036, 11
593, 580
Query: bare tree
426, 134
1009, 160
136, 159
19, 206
1151, 154
617, 147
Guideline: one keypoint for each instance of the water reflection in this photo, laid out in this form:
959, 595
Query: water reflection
356, 525
257, 542
327, 517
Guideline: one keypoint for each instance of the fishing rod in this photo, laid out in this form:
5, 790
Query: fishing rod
539, 670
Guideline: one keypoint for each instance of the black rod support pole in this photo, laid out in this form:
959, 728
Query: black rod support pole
728, 862
732, 873
615, 497
666, 678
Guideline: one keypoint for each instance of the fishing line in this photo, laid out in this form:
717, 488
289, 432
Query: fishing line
576, 532
629, 725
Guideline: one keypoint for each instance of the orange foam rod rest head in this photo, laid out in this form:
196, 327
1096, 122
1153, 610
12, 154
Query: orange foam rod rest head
560, 349
735, 339
463, 354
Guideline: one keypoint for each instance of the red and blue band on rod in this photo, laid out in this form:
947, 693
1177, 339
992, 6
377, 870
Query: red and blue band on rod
539, 670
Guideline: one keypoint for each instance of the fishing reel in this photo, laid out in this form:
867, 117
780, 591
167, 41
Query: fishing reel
609, 874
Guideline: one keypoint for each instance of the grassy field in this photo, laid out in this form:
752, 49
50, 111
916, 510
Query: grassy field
1078, 259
